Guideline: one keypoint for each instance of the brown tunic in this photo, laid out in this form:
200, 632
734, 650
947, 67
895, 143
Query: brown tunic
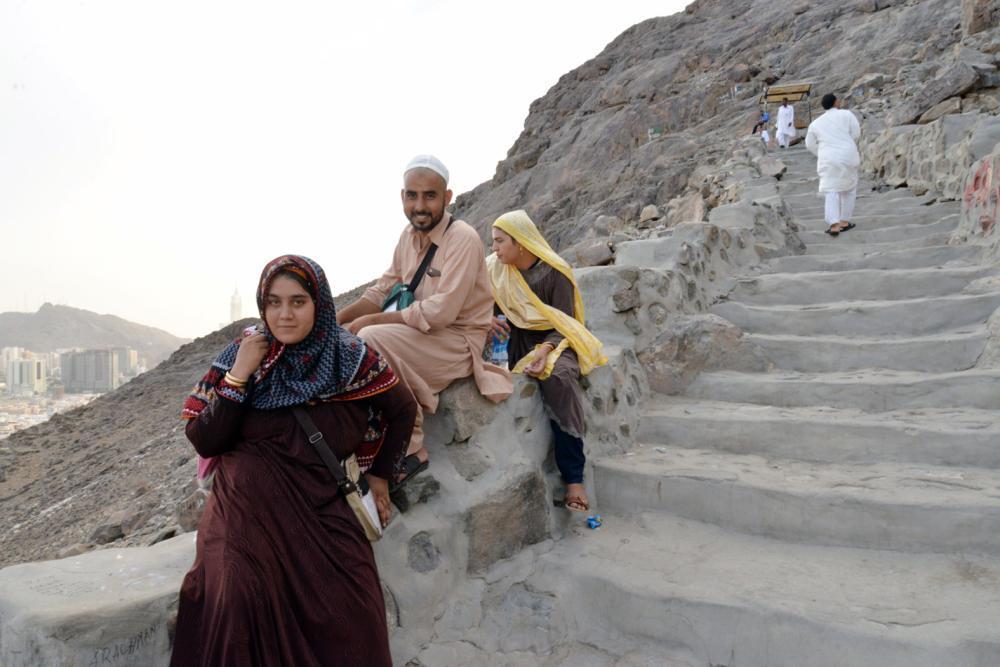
561, 391
283, 573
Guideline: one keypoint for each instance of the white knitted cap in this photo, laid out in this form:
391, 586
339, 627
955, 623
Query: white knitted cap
428, 162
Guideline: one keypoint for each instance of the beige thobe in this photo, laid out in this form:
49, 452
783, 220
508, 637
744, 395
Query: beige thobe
446, 327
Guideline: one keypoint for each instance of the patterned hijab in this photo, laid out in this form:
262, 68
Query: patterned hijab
329, 364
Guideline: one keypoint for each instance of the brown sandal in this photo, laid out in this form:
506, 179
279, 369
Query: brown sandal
576, 504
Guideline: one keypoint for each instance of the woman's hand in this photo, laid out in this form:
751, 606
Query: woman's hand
500, 328
380, 489
537, 365
252, 351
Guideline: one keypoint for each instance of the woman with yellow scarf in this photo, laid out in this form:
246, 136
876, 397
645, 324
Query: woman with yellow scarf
536, 291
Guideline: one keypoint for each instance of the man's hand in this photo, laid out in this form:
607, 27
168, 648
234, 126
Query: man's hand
380, 489
249, 355
355, 310
354, 326
537, 365
357, 325
500, 328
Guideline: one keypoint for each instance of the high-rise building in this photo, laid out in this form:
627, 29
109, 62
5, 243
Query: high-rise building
235, 306
90, 370
26, 377
128, 361
7, 355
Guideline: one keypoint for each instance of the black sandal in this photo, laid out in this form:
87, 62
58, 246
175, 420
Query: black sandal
831, 232
410, 468
849, 227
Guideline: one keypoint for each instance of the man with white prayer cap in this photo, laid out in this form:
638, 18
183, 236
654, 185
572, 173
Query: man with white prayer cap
430, 312
833, 139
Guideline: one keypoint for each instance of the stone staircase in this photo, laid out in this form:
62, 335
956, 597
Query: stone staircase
842, 508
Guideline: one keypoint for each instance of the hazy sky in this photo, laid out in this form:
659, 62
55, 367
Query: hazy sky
155, 155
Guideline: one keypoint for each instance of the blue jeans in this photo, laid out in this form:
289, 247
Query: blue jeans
569, 455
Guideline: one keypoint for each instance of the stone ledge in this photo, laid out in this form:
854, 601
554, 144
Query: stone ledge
111, 607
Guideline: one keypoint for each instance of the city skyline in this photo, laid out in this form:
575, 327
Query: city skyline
153, 177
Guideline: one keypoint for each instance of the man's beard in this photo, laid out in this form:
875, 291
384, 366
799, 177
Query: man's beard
434, 222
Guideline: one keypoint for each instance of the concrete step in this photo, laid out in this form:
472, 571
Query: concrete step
894, 215
824, 435
817, 287
816, 199
942, 353
908, 258
872, 204
882, 234
730, 599
904, 317
879, 506
810, 184
868, 390
837, 246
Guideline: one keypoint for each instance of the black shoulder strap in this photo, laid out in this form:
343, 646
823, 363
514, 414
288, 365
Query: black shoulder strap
422, 269
316, 439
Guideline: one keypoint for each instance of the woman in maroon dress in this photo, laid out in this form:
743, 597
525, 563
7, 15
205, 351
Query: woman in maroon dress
283, 573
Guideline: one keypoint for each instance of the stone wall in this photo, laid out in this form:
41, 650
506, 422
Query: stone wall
934, 157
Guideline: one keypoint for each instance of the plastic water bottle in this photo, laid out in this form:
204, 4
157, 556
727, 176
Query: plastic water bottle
499, 356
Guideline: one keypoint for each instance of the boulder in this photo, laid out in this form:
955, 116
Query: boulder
955, 80
189, 511
649, 214
869, 81
770, 166
74, 550
951, 105
687, 345
739, 73
686, 208
979, 15
506, 522
591, 253
461, 412
872, 6
108, 532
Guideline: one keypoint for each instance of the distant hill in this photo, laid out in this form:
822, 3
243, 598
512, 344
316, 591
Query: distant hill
56, 327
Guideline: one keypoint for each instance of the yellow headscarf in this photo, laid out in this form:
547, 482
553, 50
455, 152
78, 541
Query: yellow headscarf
526, 311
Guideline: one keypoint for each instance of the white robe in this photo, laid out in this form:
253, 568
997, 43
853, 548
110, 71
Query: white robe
786, 122
832, 138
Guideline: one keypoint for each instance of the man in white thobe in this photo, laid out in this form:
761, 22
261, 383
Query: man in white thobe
785, 127
833, 139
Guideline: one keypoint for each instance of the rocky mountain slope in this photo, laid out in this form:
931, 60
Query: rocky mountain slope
584, 166
749, 520
56, 327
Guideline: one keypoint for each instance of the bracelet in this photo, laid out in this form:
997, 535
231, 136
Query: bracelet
235, 381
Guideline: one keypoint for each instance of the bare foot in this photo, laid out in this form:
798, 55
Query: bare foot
576, 498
